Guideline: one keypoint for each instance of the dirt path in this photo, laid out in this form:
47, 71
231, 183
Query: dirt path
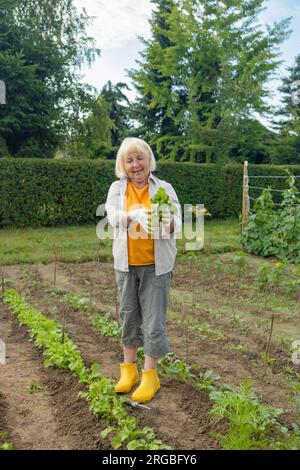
49, 419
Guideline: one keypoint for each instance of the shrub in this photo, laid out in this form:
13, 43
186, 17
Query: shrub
275, 230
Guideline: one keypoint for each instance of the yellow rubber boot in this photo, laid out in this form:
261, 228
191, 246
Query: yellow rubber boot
128, 378
148, 388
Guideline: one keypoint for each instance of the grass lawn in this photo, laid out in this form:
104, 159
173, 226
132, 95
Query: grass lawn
80, 243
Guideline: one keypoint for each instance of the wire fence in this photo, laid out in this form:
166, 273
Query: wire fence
273, 176
247, 198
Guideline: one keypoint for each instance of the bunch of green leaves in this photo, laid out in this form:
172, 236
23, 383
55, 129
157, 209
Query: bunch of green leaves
161, 200
161, 197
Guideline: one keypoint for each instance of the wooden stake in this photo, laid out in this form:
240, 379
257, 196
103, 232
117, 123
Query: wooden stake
2, 287
187, 338
56, 253
64, 325
270, 336
209, 244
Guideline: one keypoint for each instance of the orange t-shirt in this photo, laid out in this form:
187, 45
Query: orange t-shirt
140, 250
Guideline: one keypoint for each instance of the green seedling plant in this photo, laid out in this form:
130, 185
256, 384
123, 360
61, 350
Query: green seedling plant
203, 329
56, 291
174, 367
269, 278
35, 388
251, 423
268, 360
161, 205
240, 265
103, 323
3, 444
239, 348
75, 302
206, 381
219, 266
106, 326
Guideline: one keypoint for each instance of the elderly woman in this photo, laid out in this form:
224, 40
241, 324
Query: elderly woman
144, 256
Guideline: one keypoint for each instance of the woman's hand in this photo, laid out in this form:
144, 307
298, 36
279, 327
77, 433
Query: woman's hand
167, 220
142, 217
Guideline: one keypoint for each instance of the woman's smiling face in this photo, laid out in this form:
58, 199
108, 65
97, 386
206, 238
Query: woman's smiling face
137, 167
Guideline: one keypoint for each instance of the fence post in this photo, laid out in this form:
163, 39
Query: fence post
245, 206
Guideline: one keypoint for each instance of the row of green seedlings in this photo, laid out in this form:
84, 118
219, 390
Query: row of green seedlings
252, 425
4, 445
60, 351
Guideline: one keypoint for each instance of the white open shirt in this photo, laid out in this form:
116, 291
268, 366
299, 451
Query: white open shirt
164, 248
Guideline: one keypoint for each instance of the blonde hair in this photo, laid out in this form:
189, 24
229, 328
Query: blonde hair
131, 145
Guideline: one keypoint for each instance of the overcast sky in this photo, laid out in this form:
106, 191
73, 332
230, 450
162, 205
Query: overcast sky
117, 24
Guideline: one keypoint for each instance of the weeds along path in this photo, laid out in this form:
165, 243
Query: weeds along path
51, 418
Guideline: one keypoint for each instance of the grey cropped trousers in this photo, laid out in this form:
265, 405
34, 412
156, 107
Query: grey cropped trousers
143, 306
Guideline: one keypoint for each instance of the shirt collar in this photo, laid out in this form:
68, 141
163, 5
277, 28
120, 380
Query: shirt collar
151, 177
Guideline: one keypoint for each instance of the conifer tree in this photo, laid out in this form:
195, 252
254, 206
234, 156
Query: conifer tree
214, 66
287, 148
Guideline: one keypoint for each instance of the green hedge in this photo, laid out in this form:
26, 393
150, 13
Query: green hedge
38, 192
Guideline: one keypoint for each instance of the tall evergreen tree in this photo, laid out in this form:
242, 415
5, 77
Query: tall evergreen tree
100, 133
92, 137
156, 108
118, 110
217, 60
